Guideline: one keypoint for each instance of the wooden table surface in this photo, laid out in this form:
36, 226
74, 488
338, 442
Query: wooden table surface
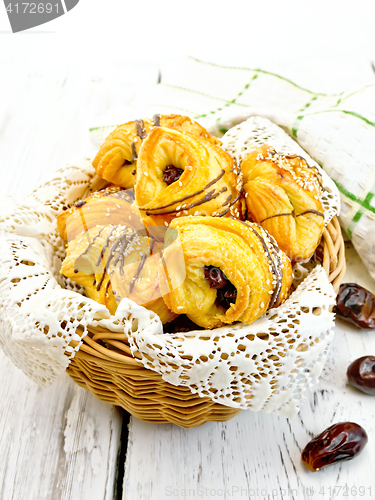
62, 443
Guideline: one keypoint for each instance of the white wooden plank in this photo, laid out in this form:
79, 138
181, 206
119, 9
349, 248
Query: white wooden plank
43, 123
57, 443
256, 455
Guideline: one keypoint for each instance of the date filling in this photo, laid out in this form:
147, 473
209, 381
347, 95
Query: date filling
226, 292
171, 174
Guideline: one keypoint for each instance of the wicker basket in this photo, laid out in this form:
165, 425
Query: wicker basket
105, 366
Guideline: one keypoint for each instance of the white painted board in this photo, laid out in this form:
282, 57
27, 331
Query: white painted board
59, 443
258, 456
47, 106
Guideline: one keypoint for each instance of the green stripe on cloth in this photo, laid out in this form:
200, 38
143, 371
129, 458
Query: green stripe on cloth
225, 101
345, 192
185, 89
296, 125
353, 93
261, 71
357, 216
357, 115
308, 104
345, 111
353, 223
369, 197
229, 103
365, 203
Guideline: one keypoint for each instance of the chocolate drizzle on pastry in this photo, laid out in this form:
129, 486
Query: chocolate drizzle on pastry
227, 200
141, 265
276, 268
292, 214
316, 174
311, 212
208, 197
134, 152
116, 245
105, 246
279, 274
123, 241
185, 197
156, 119
91, 244
291, 157
119, 193
117, 242
236, 168
141, 132
221, 214
276, 215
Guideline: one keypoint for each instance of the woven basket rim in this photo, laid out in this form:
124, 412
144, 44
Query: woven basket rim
118, 348
116, 376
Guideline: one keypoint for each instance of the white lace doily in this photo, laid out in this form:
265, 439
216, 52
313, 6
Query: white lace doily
264, 366
41, 309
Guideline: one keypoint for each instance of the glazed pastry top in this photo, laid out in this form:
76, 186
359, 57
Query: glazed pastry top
116, 160
283, 194
234, 270
180, 174
110, 205
113, 262
200, 235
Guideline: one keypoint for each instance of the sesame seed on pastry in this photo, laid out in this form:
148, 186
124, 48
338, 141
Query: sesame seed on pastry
116, 160
233, 270
180, 174
114, 262
283, 195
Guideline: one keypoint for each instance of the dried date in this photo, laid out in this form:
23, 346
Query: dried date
342, 441
356, 305
361, 374
215, 276
171, 174
227, 293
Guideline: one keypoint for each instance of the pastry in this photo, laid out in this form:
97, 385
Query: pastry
116, 160
108, 206
234, 270
113, 262
180, 174
283, 195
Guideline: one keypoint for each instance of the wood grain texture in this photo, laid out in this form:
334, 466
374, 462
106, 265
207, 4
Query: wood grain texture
57, 443
61, 443
257, 455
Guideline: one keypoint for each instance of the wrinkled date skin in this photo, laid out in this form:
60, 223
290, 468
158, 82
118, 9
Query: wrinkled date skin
356, 305
361, 374
342, 441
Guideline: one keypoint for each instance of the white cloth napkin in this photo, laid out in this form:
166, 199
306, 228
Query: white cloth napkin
336, 130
